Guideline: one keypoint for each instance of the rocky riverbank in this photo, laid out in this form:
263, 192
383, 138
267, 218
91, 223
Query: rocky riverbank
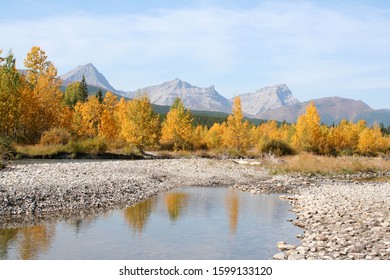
341, 221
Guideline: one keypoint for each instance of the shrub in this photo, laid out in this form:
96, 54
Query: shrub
278, 148
55, 136
93, 146
6, 151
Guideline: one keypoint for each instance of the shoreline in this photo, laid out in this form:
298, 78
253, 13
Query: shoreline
341, 219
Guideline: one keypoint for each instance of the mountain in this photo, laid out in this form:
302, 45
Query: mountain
195, 98
331, 110
266, 98
274, 102
92, 76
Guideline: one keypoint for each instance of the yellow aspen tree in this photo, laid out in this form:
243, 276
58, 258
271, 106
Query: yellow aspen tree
370, 141
199, 137
214, 136
108, 127
308, 133
140, 125
42, 103
86, 118
236, 135
176, 130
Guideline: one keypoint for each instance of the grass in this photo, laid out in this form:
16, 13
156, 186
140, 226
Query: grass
312, 164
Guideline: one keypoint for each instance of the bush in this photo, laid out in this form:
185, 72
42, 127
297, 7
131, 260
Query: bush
6, 151
96, 145
278, 148
55, 136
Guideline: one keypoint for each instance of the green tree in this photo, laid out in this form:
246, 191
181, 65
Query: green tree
84, 89
73, 94
99, 96
10, 92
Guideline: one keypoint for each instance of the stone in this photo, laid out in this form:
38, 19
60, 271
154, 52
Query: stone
282, 246
279, 256
296, 256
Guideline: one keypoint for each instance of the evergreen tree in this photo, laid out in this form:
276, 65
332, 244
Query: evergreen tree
84, 89
99, 96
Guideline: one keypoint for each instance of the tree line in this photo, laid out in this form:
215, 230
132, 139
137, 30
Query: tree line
34, 110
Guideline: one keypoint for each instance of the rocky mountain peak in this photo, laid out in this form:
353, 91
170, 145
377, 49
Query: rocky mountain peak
92, 76
267, 98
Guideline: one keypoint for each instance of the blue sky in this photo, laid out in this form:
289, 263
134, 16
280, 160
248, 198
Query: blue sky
318, 48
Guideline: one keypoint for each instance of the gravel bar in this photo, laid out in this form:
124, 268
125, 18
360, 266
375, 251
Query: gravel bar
348, 221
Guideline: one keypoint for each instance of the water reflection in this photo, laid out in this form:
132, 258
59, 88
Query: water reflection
232, 204
31, 241
187, 223
6, 238
137, 215
176, 204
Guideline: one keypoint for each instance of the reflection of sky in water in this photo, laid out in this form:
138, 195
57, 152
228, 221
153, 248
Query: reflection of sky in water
185, 223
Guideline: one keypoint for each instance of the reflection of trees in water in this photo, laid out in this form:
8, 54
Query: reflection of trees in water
81, 222
31, 241
6, 237
137, 215
232, 204
34, 240
176, 203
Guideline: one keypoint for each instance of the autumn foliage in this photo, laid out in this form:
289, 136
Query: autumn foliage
33, 109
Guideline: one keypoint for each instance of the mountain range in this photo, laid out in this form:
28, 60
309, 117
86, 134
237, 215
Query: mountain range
273, 102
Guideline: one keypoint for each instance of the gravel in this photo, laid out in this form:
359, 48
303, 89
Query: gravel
343, 221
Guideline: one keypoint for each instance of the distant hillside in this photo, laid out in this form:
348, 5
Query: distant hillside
331, 109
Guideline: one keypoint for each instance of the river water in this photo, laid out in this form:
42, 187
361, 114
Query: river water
184, 223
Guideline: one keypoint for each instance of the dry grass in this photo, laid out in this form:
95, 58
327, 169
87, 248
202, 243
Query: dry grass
40, 150
312, 164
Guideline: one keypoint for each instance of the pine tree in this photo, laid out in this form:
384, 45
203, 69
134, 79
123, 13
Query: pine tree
99, 96
84, 89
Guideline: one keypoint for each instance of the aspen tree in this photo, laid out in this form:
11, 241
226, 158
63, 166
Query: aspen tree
140, 125
236, 135
177, 129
